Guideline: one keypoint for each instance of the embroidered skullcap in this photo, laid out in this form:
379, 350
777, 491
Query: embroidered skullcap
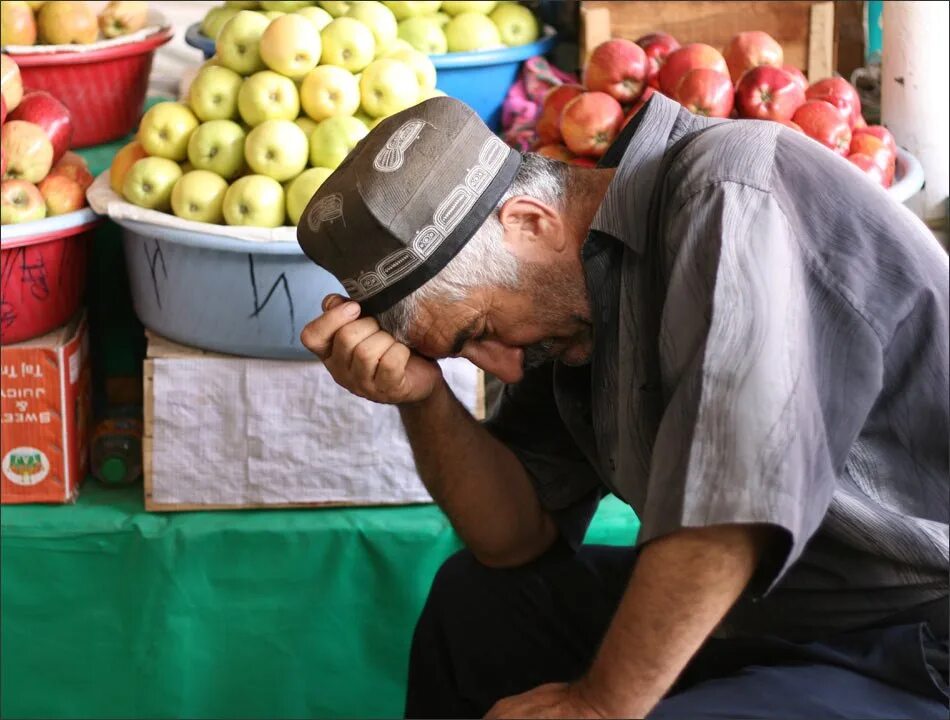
406, 200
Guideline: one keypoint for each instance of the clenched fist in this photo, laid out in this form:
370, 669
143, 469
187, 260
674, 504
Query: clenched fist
365, 359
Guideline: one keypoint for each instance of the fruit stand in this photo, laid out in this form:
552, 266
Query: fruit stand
149, 251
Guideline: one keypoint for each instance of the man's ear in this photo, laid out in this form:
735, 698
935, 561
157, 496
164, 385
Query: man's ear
533, 230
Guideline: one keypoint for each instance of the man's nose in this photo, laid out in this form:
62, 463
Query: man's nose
503, 361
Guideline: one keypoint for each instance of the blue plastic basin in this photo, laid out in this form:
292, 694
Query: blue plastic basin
479, 79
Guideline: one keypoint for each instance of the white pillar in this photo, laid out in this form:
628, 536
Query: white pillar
915, 93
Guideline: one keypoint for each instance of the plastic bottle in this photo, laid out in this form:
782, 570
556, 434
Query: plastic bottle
117, 447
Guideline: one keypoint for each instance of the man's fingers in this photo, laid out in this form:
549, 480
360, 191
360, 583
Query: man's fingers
366, 356
332, 300
348, 337
391, 368
318, 335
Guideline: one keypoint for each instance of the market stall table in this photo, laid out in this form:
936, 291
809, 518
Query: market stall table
111, 612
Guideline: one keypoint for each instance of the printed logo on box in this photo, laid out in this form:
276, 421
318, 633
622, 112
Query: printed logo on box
25, 466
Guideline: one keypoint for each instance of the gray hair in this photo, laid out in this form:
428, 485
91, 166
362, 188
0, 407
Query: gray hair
484, 260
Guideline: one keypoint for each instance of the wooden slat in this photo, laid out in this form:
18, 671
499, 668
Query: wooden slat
821, 41
791, 23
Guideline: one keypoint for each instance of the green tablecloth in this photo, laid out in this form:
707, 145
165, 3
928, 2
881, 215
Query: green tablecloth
111, 612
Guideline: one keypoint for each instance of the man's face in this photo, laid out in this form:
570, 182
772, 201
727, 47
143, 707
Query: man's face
504, 331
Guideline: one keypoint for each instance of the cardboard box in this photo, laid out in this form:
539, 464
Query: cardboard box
45, 413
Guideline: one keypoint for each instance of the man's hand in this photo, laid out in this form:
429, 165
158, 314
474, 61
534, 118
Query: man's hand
366, 360
554, 700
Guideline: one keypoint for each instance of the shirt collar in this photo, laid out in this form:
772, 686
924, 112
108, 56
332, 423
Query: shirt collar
637, 154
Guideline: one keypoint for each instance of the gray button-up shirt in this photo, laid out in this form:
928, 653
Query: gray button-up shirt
770, 346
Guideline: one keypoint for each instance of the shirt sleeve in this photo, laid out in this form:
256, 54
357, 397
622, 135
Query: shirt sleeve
762, 362
527, 420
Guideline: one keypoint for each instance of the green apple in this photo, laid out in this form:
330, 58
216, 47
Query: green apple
215, 19
388, 86
302, 188
213, 93
365, 119
379, 19
347, 43
460, 7
306, 124
329, 90
291, 46
516, 24
20, 202
255, 200
420, 63
218, 146
268, 96
404, 9
318, 16
424, 34
471, 31
333, 139
285, 6
337, 8
238, 43
198, 195
242, 4
271, 15
165, 130
278, 149
149, 183
441, 19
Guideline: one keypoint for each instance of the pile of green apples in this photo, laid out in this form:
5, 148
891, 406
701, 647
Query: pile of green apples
430, 26
270, 116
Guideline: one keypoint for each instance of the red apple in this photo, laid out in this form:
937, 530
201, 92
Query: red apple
657, 47
840, 93
590, 122
549, 121
706, 92
689, 57
20, 201
751, 49
638, 106
74, 167
11, 85
859, 123
870, 168
28, 151
62, 194
41, 108
556, 152
874, 148
794, 126
3, 110
878, 131
617, 67
822, 121
797, 75
768, 93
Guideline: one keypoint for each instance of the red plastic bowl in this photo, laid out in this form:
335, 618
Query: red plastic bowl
104, 89
43, 273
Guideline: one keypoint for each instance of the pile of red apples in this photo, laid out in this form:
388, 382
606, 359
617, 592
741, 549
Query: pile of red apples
748, 80
40, 177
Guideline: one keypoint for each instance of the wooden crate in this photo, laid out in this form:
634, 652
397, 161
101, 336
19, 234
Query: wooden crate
160, 348
805, 30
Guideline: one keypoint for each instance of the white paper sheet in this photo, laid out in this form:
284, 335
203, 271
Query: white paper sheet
243, 431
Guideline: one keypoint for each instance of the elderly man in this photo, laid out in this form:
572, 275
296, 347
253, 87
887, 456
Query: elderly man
724, 325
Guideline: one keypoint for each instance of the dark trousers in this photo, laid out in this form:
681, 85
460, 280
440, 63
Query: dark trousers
485, 634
